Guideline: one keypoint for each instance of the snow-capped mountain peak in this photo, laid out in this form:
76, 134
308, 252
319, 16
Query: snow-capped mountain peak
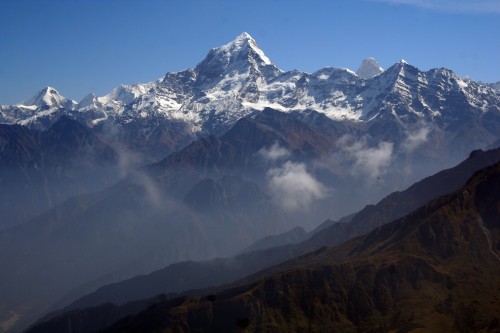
126, 94
369, 68
244, 36
245, 40
402, 68
48, 97
240, 55
243, 45
237, 79
88, 101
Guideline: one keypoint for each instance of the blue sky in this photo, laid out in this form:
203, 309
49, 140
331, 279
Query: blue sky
82, 46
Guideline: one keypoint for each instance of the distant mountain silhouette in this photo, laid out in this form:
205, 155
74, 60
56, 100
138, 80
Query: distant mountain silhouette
435, 269
38, 170
194, 275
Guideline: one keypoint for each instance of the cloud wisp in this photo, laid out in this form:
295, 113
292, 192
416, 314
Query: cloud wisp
371, 162
415, 139
453, 6
293, 188
273, 153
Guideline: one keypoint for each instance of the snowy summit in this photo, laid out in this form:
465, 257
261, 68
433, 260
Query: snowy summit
369, 68
48, 97
237, 79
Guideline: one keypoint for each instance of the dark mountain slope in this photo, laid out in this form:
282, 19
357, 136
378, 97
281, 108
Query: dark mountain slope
236, 150
292, 236
159, 117
435, 270
189, 206
147, 221
398, 204
193, 275
38, 169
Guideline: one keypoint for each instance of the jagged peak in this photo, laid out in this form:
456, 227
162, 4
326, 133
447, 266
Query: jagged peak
48, 97
335, 74
369, 68
401, 66
126, 94
445, 72
242, 50
244, 36
89, 100
241, 43
47, 91
89, 96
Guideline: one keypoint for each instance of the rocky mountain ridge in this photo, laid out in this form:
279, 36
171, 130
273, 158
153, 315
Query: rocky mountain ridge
210, 273
39, 170
434, 269
238, 79
304, 147
413, 274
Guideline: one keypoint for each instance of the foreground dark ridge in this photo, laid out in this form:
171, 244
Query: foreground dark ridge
420, 121
204, 274
218, 271
432, 271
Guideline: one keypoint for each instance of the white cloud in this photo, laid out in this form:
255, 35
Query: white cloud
293, 188
415, 139
273, 153
371, 162
464, 6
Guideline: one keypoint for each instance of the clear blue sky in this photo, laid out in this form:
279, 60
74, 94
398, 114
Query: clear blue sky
82, 46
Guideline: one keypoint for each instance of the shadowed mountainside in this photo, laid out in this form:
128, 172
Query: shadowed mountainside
191, 275
435, 270
38, 170
192, 205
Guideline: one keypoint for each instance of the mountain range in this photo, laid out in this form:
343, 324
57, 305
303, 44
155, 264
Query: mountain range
409, 274
238, 79
205, 162
39, 170
390, 127
413, 274
392, 207
397, 125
